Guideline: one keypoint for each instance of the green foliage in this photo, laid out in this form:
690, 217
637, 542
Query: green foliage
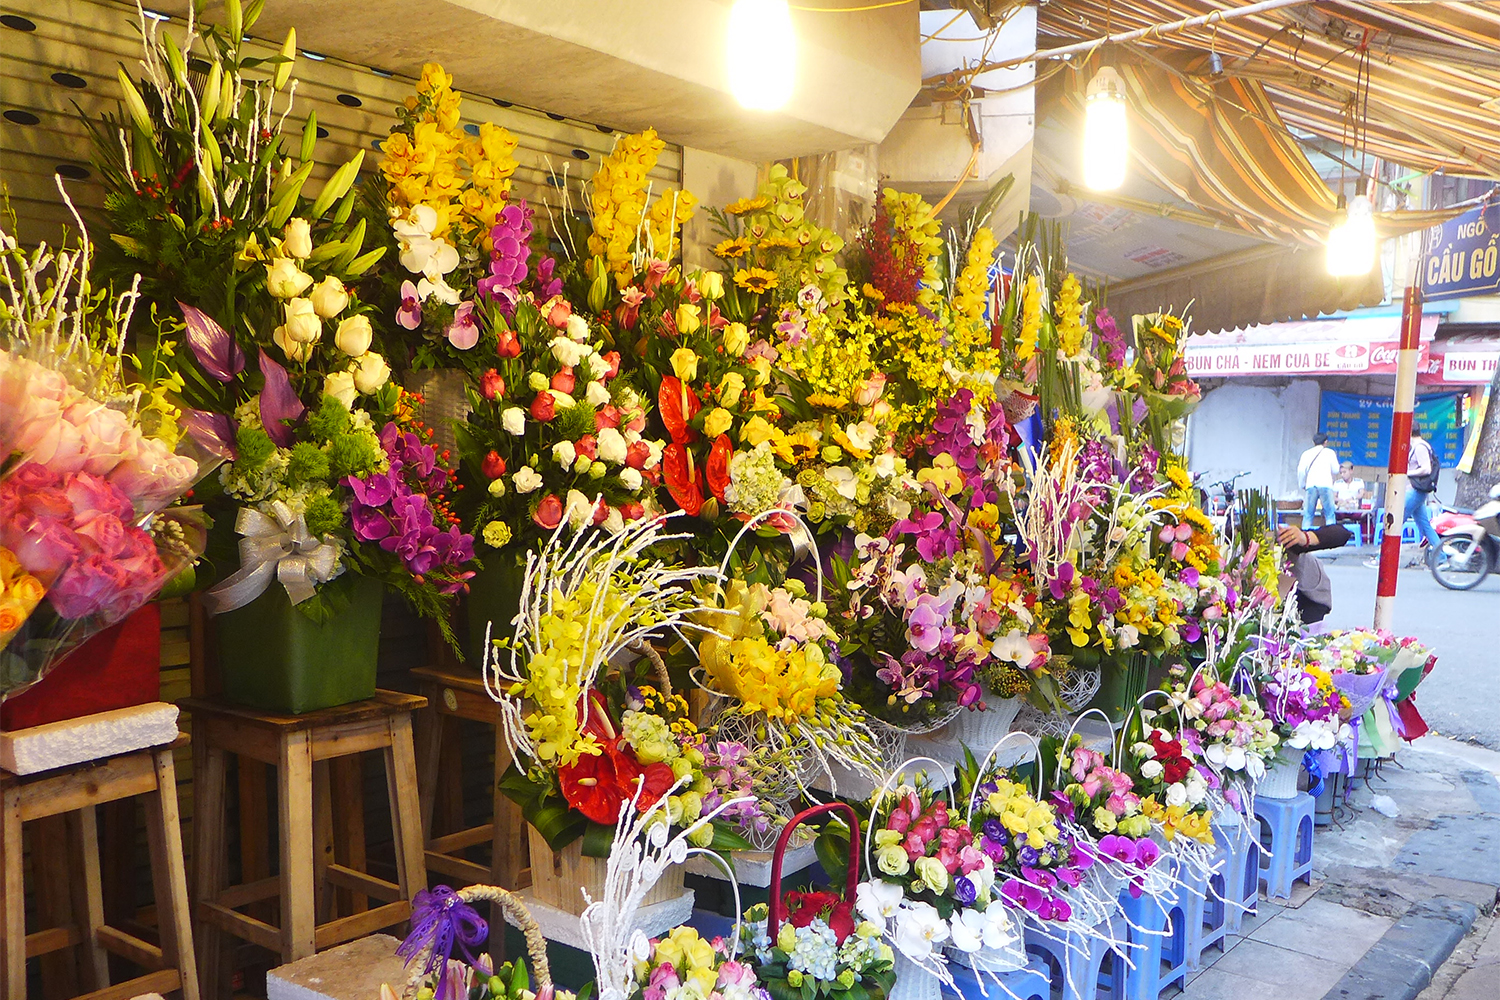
575, 421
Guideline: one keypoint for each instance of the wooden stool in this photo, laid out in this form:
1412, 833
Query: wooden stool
72, 793
460, 694
298, 746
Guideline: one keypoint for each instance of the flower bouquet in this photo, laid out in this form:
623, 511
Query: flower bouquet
1357, 660
442, 920
588, 738
1228, 731
683, 964
811, 944
1039, 868
1173, 786
1101, 801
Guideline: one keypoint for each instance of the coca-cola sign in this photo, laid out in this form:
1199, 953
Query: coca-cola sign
1357, 358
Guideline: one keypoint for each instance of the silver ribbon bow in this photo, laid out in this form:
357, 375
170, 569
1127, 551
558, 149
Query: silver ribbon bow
276, 542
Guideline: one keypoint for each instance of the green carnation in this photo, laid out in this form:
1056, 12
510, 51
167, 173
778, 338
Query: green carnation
255, 446
352, 455
330, 420
307, 464
323, 515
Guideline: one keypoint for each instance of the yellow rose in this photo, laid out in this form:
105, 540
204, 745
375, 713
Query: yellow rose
736, 339
9, 566
762, 366
711, 284
12, 614
685, 364
731, 388
28, 590
717, 422
756, 430
687, 318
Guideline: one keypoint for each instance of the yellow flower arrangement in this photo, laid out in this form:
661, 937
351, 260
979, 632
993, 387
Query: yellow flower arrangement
431, 161
1179, 819
1022, 814
553, 686
618, 208
1068, 311
971, 288
911, 218
785, 685
834, 359
1031, 319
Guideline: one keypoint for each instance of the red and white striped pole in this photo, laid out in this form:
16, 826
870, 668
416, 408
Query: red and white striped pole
1396, 486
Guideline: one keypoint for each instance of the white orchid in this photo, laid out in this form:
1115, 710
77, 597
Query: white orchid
1013, 648
919, 930
436, 288
878, 900
423, 251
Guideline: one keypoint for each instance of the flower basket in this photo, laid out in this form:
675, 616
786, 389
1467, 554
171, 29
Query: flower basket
914, 982
980, 730
559, 878
1281, 777
443, 402
274, 658
442, 918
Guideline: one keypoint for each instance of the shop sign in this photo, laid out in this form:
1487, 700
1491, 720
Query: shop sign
1470, 367
1462, 256
1354, 358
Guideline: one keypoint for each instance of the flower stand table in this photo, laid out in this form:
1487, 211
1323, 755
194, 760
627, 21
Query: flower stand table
1286, 838
72, 793
300, 747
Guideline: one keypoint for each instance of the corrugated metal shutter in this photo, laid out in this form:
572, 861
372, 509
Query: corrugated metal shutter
72, 53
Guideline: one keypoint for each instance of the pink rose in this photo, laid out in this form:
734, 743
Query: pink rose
948, 858
900, 820
916, 846
93, 495
970, 859
103, 431
49, 438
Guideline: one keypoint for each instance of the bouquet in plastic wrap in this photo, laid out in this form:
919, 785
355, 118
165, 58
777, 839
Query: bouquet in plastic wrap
91, 454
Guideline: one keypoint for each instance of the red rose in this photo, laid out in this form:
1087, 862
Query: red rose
493, 466
491, 385
564, 381
543, 407
509, 345
607, 415
632, 511
637, 455
587, 447
601, 512
549, 512
612, 358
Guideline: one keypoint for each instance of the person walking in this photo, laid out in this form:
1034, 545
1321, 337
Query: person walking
1422, 477
1315, 471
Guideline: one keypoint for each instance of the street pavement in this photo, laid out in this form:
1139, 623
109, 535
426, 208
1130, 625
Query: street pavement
1461, 698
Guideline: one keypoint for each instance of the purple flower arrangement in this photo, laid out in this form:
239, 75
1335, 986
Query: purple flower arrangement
399, 509
510, 237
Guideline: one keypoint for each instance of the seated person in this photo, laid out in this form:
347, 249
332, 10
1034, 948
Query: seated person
1348, 490
1314, 588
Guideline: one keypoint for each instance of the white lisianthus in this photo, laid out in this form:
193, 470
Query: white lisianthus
1177, 795
630, 479
526, 480
578, 510
569, 352
1151, 770
340, 385
612, 446
329, 298
596, 394
598, 367
513, 419
578, 328
614, 521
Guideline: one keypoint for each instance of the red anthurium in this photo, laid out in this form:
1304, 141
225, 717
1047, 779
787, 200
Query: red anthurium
599, 784
682, 478
716, 469
677, 405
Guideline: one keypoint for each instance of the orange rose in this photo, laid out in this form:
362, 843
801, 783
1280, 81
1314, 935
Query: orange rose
12, 614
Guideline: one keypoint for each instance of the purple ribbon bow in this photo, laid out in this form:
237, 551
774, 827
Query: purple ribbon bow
441, 916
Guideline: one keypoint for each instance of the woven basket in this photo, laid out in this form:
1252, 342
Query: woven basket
913, 982
981, 730
1281, 777
536, 944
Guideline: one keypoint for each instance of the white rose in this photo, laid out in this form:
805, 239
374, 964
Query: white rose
568, 352
614, 521
562, 399
513, 419
285, 279
1151, 770
596, 394
578, 328
329, 298
563, 453
598, 367
612, 446
526, 480
578, 509
630, 479
353, 336
372, 373
653, 456
293, 350
302, 323
296, 238
1177, 795
340, 385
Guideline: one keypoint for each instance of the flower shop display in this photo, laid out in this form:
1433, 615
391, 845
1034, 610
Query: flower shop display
1227, 731
444, 920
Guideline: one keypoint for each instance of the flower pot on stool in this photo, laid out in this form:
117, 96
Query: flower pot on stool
558, 878
493, 600
275, 658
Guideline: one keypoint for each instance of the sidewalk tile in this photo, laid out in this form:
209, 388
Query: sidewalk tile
1216, 984
1291, 970
1325, 930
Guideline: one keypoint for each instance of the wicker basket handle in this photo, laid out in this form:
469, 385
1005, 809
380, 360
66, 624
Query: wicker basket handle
663, 678
851, 883
536, 945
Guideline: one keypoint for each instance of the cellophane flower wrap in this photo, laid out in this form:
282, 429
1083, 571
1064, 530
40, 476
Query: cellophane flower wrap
1302, 701
93, 448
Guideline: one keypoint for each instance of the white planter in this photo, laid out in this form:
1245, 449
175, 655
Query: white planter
1281, 777
980, 731
914, 982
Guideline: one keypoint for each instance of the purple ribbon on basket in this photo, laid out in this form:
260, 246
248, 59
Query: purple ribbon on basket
440, 916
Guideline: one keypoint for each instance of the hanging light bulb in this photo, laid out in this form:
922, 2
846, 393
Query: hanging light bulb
1106, 141
1351, 241
762, 50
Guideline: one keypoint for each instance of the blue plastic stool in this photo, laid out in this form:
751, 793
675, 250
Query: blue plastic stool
1030, 983
1073, 963
1212, 924
1409, 534
1145, 928
1286, 835
1242, 875
1182, 914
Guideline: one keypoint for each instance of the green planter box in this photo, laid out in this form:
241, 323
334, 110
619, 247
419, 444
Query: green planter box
274, 658
494, 598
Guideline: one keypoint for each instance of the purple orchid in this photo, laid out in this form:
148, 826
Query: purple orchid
409, 313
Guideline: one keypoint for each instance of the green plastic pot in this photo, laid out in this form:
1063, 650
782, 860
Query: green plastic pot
274, 658
494, 599
1122, 680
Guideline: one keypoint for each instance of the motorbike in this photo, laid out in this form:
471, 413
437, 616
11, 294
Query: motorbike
1469, 544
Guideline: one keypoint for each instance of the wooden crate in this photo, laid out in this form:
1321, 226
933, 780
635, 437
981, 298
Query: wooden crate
558, 876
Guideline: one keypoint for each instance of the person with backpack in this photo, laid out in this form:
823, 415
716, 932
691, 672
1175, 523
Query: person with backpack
1315, 471
1422, 469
